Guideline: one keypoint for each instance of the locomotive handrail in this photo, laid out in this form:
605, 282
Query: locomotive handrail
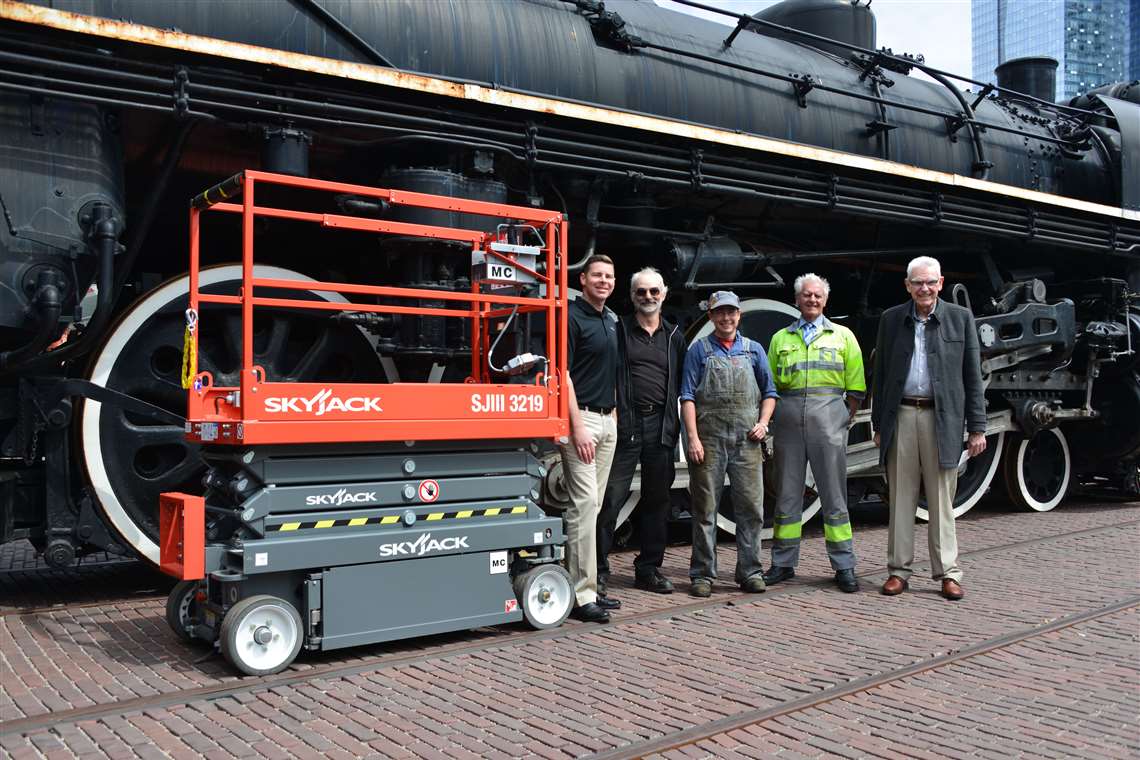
744, 20
261, 409
815, 85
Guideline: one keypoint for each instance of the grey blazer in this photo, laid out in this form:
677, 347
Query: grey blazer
955, 372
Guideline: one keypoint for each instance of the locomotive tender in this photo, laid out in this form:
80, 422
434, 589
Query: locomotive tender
726, 157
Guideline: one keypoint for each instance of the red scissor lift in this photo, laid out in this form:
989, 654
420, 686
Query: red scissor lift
340, 511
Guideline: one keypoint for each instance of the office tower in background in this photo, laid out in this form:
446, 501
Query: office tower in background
1095, 42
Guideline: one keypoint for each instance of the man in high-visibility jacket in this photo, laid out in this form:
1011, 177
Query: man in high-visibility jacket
818, 370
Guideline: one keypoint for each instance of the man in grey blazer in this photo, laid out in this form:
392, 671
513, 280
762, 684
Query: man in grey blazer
927, 389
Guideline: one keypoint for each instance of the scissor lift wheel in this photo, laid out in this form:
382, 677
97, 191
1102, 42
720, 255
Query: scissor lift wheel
180, 606
261, 635
546, 595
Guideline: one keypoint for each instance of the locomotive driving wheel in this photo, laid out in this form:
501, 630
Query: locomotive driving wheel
975, 475
129, 458
1038, 470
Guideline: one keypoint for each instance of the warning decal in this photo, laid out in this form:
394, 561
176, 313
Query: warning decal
429, 490
511, 605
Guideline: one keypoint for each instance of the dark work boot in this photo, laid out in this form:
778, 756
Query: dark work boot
846, 580
777, 574
656, 582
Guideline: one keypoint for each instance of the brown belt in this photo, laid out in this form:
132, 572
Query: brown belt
921, 403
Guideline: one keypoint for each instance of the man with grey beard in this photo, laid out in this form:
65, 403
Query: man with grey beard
650, 354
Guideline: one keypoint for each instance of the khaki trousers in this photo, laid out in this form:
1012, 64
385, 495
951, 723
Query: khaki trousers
586, 486
913, 460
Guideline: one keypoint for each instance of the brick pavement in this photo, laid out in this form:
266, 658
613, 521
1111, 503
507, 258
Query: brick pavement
104, 654
576, 695
1014, 702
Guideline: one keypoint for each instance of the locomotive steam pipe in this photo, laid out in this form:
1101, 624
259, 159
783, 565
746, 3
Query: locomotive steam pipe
47, 306
103, 232
138, 239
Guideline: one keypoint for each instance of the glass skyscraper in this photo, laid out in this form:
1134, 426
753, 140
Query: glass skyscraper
1094, 41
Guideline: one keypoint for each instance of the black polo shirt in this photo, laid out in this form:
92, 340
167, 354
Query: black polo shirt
648, 364
593, 360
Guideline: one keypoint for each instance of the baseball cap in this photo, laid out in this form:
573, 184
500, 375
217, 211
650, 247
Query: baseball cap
723, 298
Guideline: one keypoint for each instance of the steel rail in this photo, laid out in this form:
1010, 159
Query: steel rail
690, 736
31, 724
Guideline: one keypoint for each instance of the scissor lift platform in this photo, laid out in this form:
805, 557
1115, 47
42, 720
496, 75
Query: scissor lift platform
338, 514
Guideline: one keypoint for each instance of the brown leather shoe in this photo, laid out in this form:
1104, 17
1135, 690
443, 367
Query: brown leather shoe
951, 589
894, 586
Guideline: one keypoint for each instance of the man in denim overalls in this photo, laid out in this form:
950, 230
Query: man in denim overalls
727, 399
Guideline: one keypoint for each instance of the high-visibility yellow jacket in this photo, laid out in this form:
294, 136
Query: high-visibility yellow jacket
832, 363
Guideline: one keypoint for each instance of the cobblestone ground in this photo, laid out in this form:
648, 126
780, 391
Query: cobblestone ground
673, 668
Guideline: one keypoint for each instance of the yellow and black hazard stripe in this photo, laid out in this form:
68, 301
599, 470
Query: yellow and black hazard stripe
355, 522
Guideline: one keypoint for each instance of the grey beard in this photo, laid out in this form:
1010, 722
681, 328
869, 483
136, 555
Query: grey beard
651, 308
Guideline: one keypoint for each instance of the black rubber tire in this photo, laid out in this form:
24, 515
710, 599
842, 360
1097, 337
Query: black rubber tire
180, 607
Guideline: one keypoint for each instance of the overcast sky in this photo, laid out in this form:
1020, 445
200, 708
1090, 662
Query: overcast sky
938, 29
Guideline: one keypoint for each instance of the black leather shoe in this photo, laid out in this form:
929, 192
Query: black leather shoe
847, 581
608, 604
777, 574
657, 583
590, 613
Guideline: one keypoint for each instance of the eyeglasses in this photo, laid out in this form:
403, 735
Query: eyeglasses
642, 292
927, 283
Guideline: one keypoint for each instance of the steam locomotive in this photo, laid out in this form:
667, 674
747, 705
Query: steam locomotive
725, 156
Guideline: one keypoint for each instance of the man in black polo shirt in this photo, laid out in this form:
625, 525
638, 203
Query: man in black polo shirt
587, 455
651, 353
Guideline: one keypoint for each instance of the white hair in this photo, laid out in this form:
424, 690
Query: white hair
804, 279
649, 273
925, 262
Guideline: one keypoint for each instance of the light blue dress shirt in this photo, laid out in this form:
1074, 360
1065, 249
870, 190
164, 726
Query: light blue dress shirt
917, 383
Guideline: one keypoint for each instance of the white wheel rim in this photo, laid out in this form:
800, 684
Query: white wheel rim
547, 597
923, 514
265, 637
1030, 501
92, 410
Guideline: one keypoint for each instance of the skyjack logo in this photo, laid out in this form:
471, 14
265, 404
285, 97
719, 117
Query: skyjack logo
321, 403
422, 545
340, 497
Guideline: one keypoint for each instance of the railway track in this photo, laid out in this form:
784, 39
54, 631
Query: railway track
294, 677
748, 718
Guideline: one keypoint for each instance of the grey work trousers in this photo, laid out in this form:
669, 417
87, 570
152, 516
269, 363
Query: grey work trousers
742, 460
811, 428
